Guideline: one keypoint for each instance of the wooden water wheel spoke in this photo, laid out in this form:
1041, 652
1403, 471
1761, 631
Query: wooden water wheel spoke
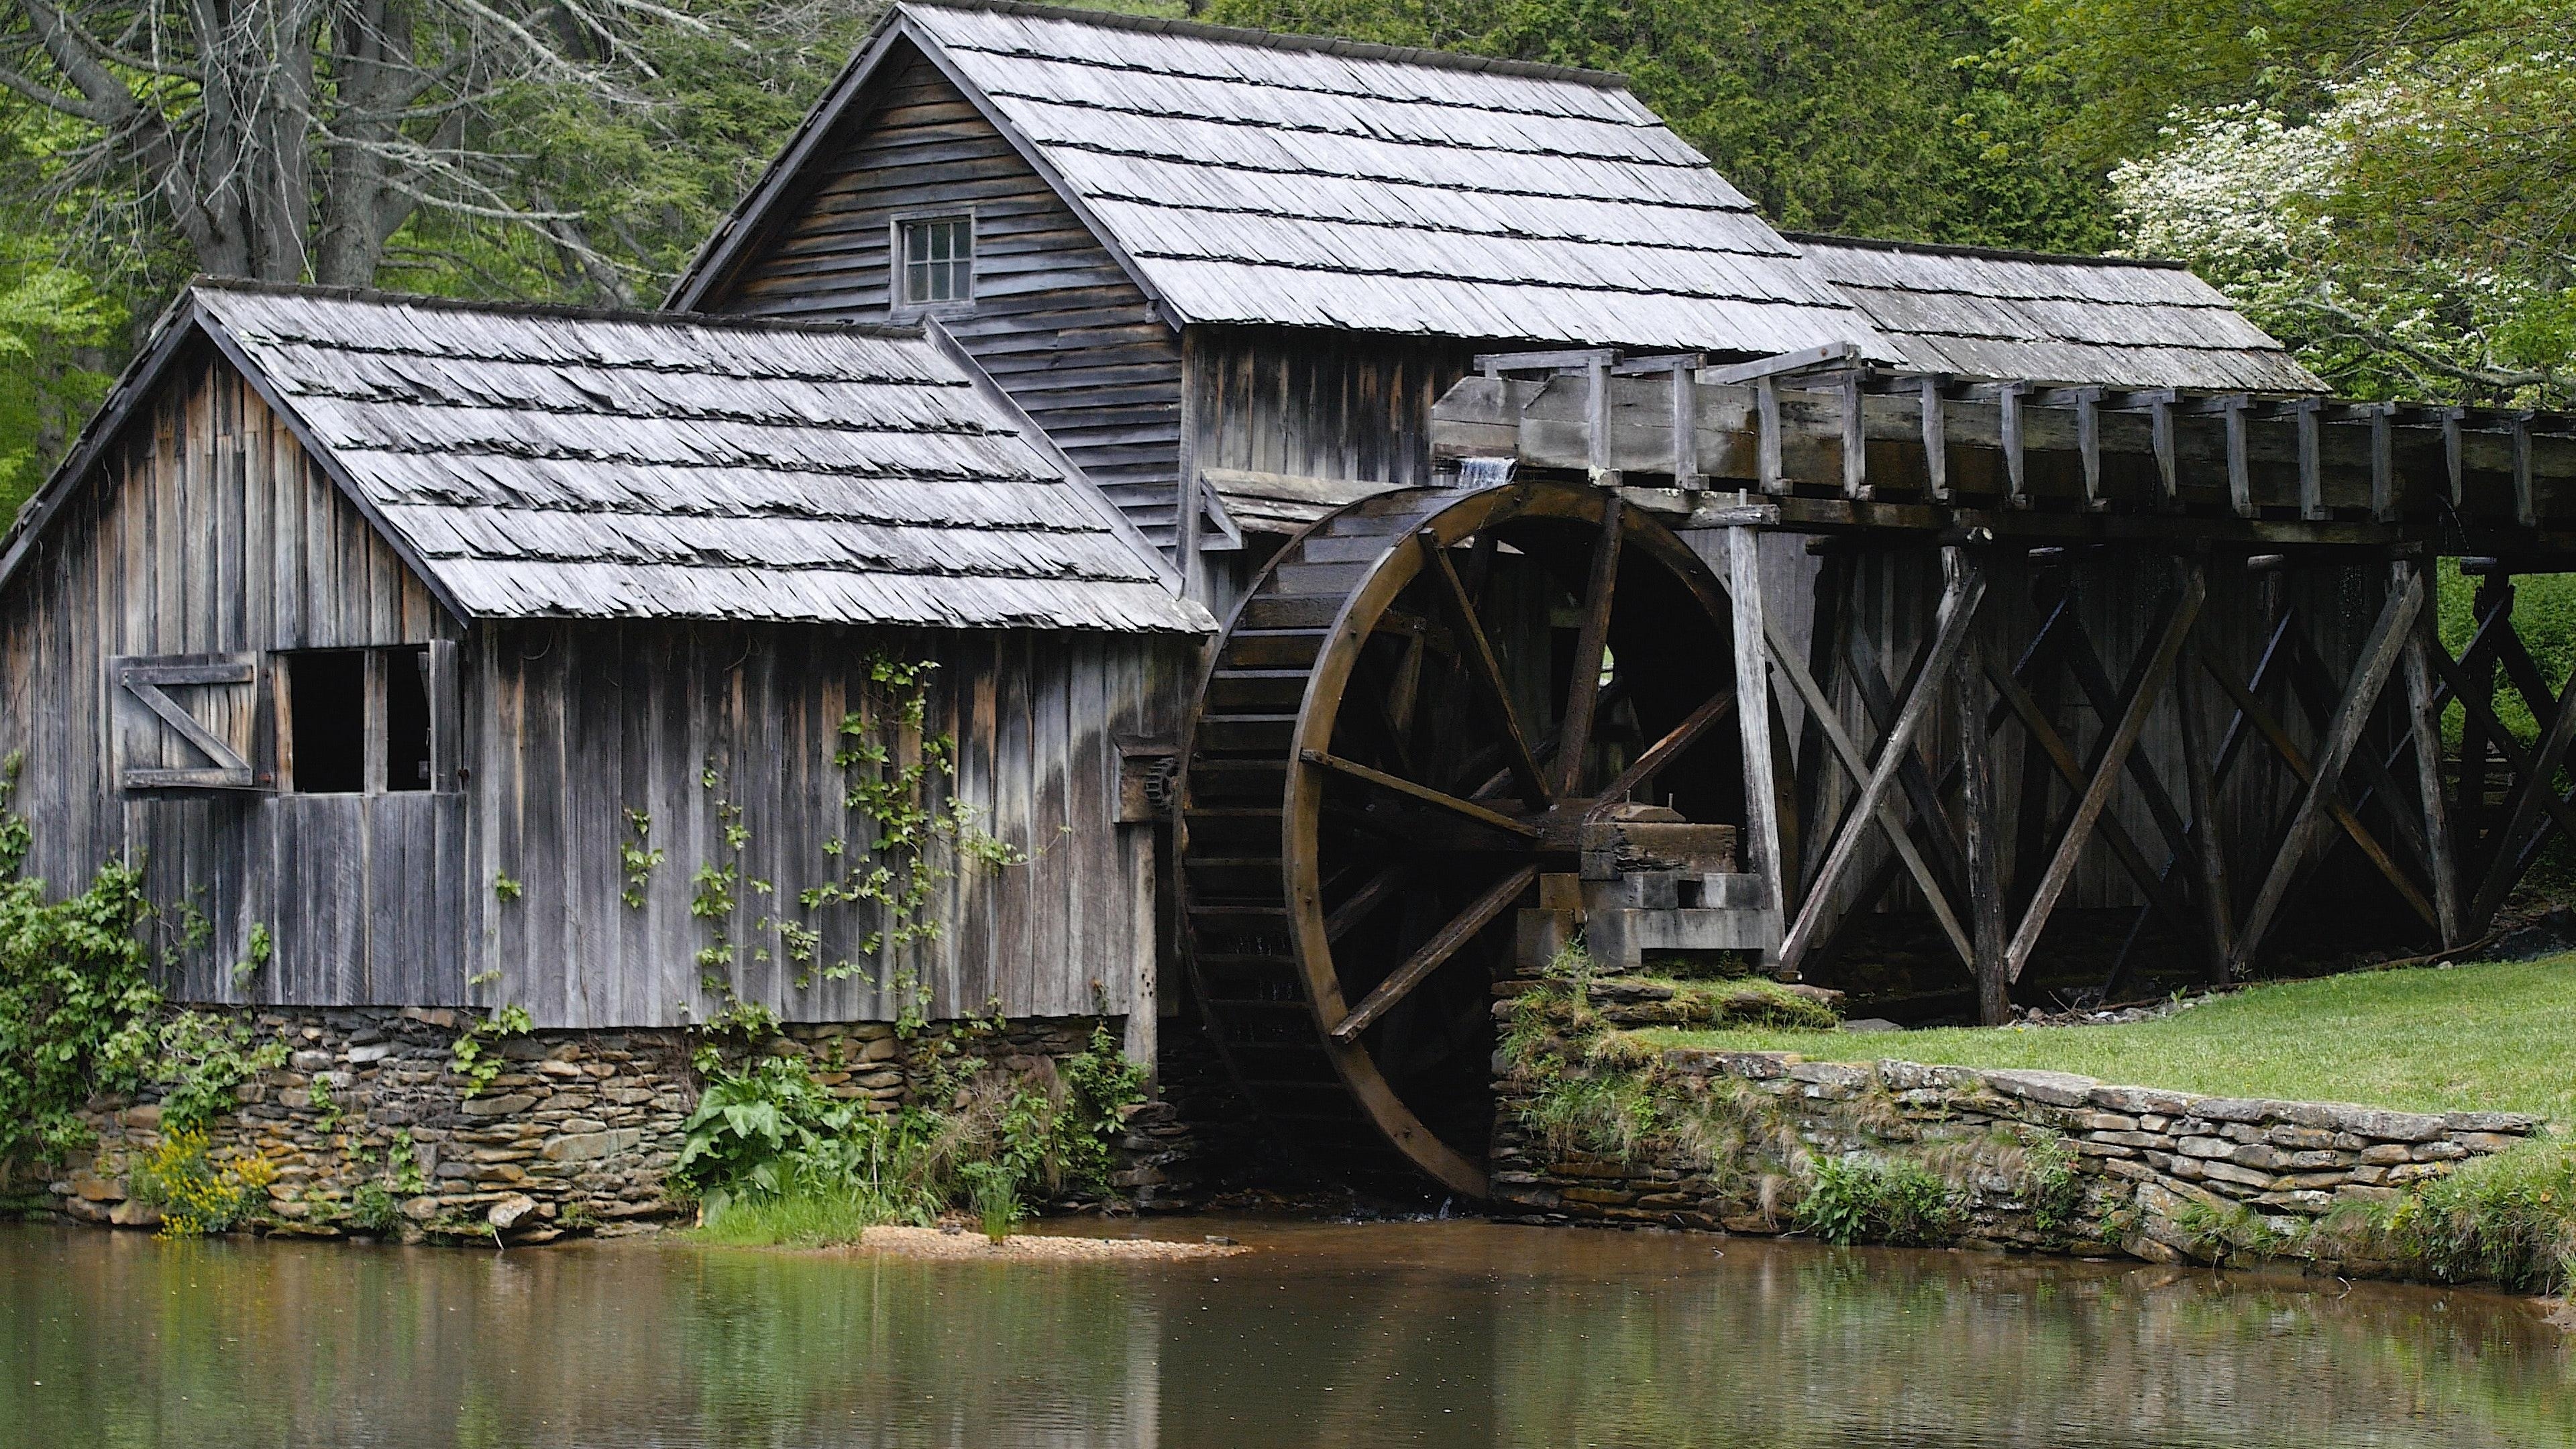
1424, 793
1434, 953
1664, 751
1583, 691
1376, 777
1485, 666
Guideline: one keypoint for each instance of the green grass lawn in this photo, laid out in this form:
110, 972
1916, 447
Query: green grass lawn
2496, 1037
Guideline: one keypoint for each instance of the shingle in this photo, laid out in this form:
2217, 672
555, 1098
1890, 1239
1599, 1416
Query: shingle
1259, 179
2006, 315
547, 464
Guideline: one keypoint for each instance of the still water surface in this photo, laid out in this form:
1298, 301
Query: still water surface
1378, 1334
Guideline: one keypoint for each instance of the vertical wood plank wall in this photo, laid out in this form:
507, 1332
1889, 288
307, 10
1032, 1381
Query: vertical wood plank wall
591, 720
1055, 319
208, 531
1318, 405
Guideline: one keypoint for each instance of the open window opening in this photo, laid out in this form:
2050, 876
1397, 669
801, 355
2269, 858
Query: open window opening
357, 721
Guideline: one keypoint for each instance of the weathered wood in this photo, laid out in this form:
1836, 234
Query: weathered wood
1981, 819
2379, 655
2207, 847
1486, 667
1957, 613
1424, 794
1750, 634
2111, 759
2424, 728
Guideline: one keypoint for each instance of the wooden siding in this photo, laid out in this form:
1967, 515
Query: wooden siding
589, 721
1055, 320
208, 531
1310, 404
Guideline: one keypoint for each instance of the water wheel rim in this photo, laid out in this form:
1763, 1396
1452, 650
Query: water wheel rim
1389, 575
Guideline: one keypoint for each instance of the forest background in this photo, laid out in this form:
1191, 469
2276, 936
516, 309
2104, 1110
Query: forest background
2388, 185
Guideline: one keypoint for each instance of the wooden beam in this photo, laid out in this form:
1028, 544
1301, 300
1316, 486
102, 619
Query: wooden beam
1485, 666
1440, 799
1663, 751
1433, 954
2424, 726
1960, 599
1783, 363
1855, 441
2383, 463
2379, 654
2453, 460
1591, 643
1686, 474
2526, 510
1374, 892
2008, 397
1936, 436
2538, 787
2312, 471
1750, 633
2112, 759
1981, 815
1768, 473
2208, 852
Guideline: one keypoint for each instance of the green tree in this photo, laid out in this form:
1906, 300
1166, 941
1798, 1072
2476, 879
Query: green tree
1892, 118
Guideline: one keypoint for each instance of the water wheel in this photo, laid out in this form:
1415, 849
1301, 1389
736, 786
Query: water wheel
1419, 705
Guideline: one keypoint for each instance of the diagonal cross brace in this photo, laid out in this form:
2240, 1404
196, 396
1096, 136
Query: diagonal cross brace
2111, 759
1960, 599
2379, 655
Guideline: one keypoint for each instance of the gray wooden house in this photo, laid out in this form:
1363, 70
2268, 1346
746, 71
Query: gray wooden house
383, 629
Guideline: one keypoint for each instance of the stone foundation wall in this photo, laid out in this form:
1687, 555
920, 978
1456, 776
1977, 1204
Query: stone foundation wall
2137, 1156
574, 1136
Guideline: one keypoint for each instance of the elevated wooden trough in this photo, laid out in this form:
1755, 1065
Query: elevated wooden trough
2169, 650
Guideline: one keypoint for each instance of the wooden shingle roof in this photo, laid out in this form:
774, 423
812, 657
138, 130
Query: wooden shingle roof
2114, 321
1250, 178
547, 463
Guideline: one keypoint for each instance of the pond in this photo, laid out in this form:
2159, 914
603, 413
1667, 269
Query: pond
1435, 1333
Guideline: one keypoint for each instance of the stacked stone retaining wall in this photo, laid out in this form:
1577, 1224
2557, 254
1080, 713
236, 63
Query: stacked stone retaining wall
2139, 1156
577, 1134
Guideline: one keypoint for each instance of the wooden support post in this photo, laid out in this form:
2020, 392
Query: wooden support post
2379, 654
1936, 437
2088, 444
2424, 724
2240, 478
2112, 759
2312, 468
1686, 474
1596, 400
2160, 431
2208, 843
1855, 441
1753, 723
2539, 784
2526, 510
2383, 463
1766, 446
2451, 457
2016, 467
1982, 814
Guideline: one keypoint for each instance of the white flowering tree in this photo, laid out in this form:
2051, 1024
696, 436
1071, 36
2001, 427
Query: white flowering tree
2415, 237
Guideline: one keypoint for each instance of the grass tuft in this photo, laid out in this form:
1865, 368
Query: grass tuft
801, 1219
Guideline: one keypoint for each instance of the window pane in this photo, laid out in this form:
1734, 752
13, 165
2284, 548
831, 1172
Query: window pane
407, 719
938, 260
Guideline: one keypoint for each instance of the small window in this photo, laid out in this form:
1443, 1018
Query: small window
352, 713
938, 260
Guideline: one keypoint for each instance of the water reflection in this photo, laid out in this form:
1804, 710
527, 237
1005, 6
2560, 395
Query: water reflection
1430, 1333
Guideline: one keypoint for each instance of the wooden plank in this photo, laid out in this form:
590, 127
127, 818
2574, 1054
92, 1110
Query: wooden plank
2208, 843
1421, 793
2379, 655
2424, 730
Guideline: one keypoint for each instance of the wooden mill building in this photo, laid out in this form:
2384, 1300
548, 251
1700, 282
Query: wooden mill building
1356, 498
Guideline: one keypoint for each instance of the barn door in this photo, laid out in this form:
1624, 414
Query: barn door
183, 721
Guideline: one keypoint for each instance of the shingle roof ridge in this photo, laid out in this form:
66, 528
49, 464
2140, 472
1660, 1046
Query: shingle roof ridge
1283, 40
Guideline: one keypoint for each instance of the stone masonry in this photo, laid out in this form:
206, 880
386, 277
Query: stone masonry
2140, 1154
575, 1135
